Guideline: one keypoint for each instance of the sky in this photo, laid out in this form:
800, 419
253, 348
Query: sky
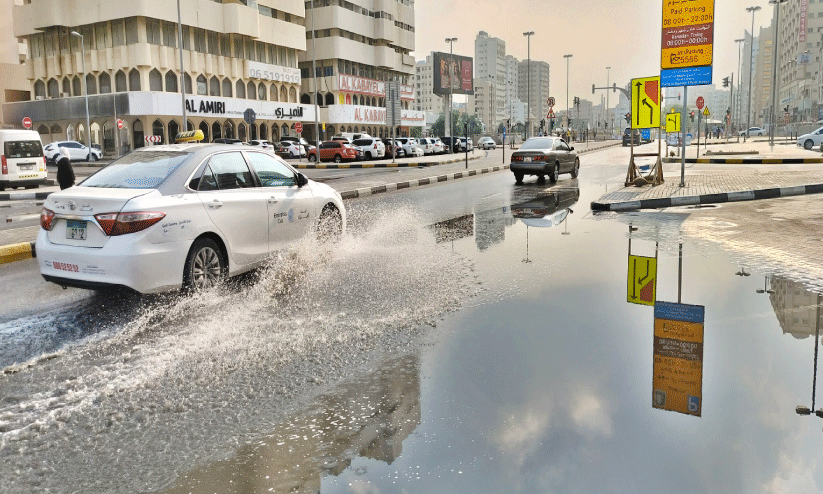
623, 35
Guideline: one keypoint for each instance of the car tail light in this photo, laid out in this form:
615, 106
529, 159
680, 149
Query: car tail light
46, 219
114, 224
517, 158
5, 165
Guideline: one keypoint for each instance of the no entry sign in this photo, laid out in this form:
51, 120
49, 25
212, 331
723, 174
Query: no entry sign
700, 102
27, 122
298, 127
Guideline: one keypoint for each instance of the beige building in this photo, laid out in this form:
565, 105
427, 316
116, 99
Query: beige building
359, 47
533, 89
237, 55
14, 86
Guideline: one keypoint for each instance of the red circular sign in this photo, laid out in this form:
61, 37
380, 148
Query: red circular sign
119, 123
298, 127
27, 122
700, 102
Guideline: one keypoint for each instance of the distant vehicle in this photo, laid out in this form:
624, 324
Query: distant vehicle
184, 215
301, 140
291, 149
77, 151
753, 131
439, 147
543, 156
427, 144
23, 162
227, 141
372, 147
467, 144
453, 144
390, 148
486, 143
627, 133
267, 145
811, 140
351, 136
334, 151
410, 146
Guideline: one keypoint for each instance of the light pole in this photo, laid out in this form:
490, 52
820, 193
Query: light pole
567, 57
775, 50
528, 36
739, 83
751, 66
607, 93
85, 86
448, 120
182, 74
314, 79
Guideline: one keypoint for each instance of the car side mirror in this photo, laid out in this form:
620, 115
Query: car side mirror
571, 148
302, 180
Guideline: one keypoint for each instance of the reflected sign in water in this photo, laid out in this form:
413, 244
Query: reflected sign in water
677, 382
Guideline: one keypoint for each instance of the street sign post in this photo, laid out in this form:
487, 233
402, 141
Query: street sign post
120, 124
550, 101
298, 127
27, 122
706, 112
642, 280
677, 382
700, 102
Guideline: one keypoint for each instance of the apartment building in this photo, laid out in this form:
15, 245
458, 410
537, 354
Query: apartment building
14, 85
491, 65
426, 101
355, 48
533, 88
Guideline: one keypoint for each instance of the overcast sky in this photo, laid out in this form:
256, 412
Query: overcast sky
624, 35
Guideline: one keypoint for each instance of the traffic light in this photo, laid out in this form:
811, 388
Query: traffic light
725, 82
691, 115
628, 117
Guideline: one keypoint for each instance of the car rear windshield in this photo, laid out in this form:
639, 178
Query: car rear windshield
540, 143
363, 142
138, 170
23, 149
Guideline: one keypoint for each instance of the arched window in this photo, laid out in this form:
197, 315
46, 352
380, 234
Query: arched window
216, 131
329, 99
229, 130
174, 129
43, 130
275, 133
66, 87
304, 98
319, 99
157, 130
91, 84
54, 88
171, 82
120, 82
155, 81
292, 95
264, 132
214, 86
261, 92
330, 130
76, 88
251, 91
105, 83
284, 131
349, 129
56, 129
253, 132
134, 80
273, 92
202, 85
39, 90
226, 88
70, 133
137, 134
204, 128
187, 81
81, 133
284, 95
241, 131
240, 89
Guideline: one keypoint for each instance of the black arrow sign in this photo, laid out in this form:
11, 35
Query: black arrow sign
651, 112
637, 98
634, 275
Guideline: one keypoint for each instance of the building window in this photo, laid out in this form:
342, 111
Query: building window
67, 86
54, 88
134, 80
226, 88
273, 92
214, 47
214, 87
251, 91
187, 82
292, 95
118, 35
75, 86
169, 34
261, 92
131, 31
200, 40
105, 83
225, 45
171, 82
186, 38
284, 95
153, 31
240, 90
155, 80
120, 81
91, 84
202, 86
239, 52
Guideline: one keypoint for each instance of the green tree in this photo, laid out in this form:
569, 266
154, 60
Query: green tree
416, 132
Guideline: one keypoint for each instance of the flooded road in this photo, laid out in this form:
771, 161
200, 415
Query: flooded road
474, 337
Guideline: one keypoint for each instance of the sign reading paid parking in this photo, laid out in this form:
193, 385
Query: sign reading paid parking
677, 382
646, 102
687, 42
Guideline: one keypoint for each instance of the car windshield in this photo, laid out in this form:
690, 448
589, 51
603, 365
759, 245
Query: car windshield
138, 170
362, 142
23, 149
538, 143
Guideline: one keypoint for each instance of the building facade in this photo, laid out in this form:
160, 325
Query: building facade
14, 85
491, 65
533, 88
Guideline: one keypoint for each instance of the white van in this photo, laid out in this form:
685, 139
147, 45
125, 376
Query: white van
23, 164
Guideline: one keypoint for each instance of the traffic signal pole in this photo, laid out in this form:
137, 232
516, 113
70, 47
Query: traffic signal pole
683, 138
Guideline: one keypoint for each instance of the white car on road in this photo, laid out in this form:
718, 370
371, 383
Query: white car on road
811, 140
292, 149
77, 151
486, 143
753, 131
185, 215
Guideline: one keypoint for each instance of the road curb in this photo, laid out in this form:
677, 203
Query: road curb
748, 195
17, 252
321, 166
747, 161
23, 196
368, 191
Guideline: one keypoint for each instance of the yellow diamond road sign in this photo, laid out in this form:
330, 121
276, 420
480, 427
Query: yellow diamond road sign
645, 108
673, 122
706, 112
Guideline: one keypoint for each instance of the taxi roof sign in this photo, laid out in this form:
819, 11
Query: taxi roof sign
189, 136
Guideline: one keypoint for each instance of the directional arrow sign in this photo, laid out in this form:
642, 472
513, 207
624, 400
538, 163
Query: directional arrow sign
646, 102
673, 122
642, 280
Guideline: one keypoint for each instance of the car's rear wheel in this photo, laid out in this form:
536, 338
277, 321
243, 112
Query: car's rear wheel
205, 265
338, 158
576, 169
518, 177
555, 174
808, 144
312, 157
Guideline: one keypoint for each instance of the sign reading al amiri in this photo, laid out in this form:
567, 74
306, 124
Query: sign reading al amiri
687, 41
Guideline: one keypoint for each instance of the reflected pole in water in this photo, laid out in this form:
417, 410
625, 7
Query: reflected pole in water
527, 246
800, 409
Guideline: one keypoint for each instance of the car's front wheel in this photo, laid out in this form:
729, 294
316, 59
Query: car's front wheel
205, 265
312, 158
576, 169
92, 157
330, 225
808, 144
555, 174
338, 158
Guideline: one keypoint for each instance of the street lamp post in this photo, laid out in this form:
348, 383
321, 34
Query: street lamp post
85, 86
528, 36
751, 66
567, 57
739, 83
775, 50
182, 74
607, 94
448, 119
314, 80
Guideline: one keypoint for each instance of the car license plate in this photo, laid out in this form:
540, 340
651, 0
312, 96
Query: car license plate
76, 229
527, 158
26, 167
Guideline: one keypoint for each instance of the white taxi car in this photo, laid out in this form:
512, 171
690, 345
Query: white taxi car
166, 217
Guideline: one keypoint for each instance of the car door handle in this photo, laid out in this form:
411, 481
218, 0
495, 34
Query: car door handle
215, 204
272, 200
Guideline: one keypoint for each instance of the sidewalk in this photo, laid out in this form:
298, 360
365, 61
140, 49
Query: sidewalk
785, 171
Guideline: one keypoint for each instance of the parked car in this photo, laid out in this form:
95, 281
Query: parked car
77, 151
23, 162
372, 147
543, 156
301, 140
627, 136
410, 146
753, 131
439, 147
166, 217
334, 151
486, 143
810, 140
467, 143
267, 145
226, 140
453, 144
427, 144
291, 149
391, 147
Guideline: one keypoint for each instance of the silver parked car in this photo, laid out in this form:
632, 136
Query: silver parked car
543, 156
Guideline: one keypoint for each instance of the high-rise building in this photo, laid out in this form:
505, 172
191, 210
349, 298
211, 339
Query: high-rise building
762, 82
360, 46
426, 100
533, 88
490, 65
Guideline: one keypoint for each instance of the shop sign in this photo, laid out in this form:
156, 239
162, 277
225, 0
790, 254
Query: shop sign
276, 73
371, 87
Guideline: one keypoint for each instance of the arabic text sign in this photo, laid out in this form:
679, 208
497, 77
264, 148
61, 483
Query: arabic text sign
677, 382
689, 76
688, 33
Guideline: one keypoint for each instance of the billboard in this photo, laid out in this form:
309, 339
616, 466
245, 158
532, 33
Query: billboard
453, 74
